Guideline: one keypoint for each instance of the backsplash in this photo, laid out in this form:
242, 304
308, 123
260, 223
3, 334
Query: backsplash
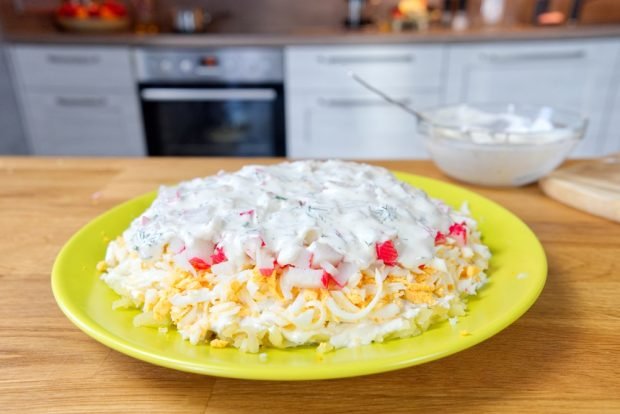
267, 15
287, 16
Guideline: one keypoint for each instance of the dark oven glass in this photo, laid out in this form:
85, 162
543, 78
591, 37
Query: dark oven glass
216, 121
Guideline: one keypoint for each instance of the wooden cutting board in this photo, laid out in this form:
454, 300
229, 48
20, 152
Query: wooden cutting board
592, 186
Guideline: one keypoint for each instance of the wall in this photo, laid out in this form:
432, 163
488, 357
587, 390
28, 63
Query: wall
289, 15
285, 15
276, 15
593, 11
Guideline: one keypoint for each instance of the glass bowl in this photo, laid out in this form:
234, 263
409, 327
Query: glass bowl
499, 144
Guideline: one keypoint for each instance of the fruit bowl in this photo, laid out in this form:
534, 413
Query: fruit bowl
108, 15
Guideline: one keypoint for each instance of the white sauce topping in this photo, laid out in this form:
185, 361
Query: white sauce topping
336, 210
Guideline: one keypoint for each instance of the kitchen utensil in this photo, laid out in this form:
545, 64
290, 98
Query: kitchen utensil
460, 21
592, 186
540, 7
355, 14
493, 151
492, 11
500, 144
575, 11
190, 20
385, 96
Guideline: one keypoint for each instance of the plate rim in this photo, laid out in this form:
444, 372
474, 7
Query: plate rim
320, 371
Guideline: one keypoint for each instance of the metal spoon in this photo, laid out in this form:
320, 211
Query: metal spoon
386, 97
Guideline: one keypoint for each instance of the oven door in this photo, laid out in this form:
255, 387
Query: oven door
215, 121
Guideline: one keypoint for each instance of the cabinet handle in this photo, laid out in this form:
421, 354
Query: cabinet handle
364, 59
352, 103
58, 59
532, 57
81, 101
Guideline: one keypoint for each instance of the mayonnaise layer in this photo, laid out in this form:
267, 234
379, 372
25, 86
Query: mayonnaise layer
335, 210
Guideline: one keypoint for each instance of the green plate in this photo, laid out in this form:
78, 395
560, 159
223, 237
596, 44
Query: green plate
517, 272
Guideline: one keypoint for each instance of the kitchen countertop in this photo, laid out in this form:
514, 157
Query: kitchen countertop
563, 355
40, 29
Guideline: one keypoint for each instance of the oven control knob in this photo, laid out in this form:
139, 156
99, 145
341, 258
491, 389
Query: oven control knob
186, 66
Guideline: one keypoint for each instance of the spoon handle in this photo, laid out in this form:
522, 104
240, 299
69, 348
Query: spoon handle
382, 94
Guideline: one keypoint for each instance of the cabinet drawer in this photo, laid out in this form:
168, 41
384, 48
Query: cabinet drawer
401, 66
83, 124
611, 142
358, 125
44, 67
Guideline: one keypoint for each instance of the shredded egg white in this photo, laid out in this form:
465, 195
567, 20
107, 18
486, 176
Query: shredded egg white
332, 253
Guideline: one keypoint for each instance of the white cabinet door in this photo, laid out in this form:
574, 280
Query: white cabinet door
354, 125
12, 139
329, 115
611, 132
83, 124
566, 74
73, 67
79, 101
387, 65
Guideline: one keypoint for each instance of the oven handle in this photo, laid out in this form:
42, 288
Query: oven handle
223, 94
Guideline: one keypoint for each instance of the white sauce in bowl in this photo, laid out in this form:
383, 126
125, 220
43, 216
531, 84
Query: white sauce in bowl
497, 147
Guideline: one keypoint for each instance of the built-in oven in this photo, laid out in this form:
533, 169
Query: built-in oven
218, 102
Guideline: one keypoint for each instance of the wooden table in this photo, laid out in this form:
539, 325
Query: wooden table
562, 356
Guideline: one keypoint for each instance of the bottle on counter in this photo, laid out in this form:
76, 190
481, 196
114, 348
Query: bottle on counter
356, 17
492, 11
145, 16
575, 11
410, 15
544, 16
460, 21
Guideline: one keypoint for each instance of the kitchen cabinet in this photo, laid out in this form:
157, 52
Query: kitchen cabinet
330, 115
354, 125
612, 135
78, 100
611, 132
12, 139
573, 74
83, 123
326, 67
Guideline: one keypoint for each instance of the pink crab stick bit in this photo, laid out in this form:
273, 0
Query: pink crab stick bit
440, 238
387, 253
459, 232
219, 256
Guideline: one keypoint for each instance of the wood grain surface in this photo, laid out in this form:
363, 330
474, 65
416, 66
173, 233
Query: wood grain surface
561, 356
